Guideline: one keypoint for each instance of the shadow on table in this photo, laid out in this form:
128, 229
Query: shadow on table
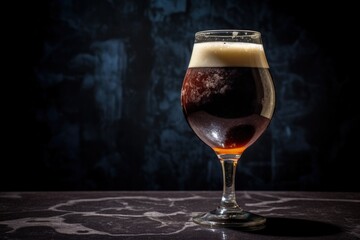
293, 227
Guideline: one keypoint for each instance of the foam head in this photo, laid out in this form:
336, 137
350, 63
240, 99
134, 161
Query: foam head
228, 54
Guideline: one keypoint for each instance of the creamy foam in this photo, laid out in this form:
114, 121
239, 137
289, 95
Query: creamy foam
228, 54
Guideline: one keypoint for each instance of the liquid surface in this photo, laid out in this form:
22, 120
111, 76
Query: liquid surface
228, 54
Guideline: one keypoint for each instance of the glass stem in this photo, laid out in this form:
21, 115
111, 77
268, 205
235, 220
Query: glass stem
228, 200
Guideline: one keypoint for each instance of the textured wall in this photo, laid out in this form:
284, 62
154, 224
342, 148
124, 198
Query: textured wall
101, 108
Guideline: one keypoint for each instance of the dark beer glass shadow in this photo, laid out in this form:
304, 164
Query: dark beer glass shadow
276, 226
293, 227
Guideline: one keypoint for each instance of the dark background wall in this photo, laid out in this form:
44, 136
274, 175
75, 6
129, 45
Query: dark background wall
94, 97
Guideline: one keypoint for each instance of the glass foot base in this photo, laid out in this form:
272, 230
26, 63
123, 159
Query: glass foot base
240, 219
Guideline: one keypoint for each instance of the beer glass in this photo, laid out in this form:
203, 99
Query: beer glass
228, 99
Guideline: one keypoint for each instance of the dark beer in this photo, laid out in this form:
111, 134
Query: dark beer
228, 99
228, 107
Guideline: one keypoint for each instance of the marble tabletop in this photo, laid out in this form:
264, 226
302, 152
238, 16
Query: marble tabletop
167, 215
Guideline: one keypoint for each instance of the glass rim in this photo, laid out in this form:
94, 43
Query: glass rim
228, 33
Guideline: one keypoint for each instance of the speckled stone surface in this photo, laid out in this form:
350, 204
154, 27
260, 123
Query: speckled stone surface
167, 215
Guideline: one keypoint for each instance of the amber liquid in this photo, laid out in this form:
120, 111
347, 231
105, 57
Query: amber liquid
226, 106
